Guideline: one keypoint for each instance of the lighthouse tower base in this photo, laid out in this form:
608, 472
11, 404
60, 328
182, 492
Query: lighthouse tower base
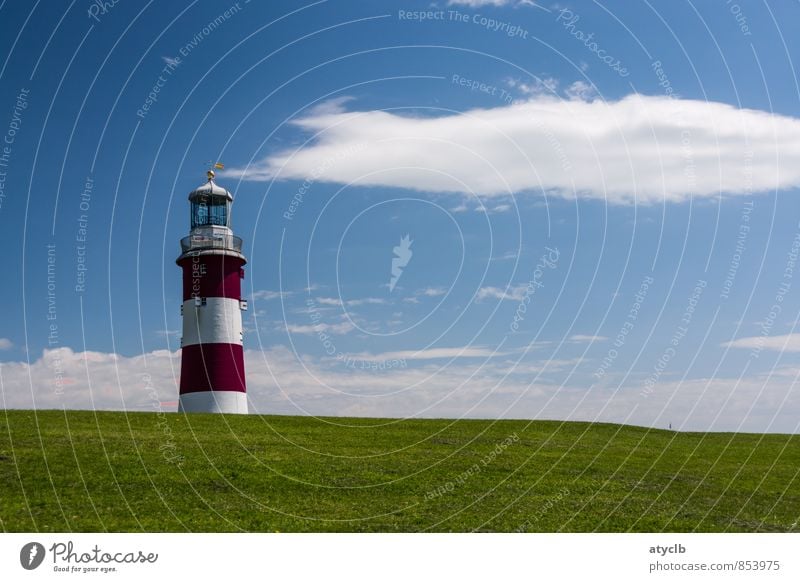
223, 401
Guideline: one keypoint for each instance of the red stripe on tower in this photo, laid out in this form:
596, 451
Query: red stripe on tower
215, 371
212, 359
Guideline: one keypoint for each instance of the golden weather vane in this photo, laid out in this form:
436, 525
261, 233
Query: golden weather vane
213, 166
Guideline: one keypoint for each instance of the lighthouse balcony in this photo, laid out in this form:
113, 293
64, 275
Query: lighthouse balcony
198, 242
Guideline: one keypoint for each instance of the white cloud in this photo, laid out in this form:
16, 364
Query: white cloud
431, 354
5, 344
579, 338
91, 380
789, 342
641, 148
336, 302
514, 293
365, 301
496, 209
280, 382
507, 256
268, 295
334, 328
168, 332
330, 301
331, 106
431, 292
581, 90
536, 86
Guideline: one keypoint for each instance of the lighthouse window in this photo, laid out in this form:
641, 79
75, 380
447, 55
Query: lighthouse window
213, 212
219, 213
199, 213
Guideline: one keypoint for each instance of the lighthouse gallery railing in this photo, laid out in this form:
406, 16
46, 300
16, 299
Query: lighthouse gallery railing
218, 241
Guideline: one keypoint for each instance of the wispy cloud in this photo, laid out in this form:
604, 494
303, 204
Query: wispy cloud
789, 342
430, 292
536, 86
581, 90
515, 293
641, 148
6, 344
168, 332
431, 354
171, 61
268, 295
336, 302
587, 339
333, 328
494, 209
365, 301
507, 256
329, 301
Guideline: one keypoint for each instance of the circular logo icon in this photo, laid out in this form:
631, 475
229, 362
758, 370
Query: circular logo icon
31, 555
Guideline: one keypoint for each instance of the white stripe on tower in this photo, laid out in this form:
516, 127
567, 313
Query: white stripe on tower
214, 401
219, 321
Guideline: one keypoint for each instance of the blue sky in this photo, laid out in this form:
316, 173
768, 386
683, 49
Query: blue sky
601, 199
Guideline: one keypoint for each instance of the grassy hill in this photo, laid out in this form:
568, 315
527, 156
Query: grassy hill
85, 471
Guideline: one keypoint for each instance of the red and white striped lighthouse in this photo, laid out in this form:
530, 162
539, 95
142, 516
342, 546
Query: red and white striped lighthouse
212, 362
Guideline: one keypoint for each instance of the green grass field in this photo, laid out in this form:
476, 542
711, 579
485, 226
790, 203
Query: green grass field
85, 471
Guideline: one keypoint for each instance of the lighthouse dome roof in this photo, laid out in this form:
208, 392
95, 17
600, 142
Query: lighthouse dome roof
210, 188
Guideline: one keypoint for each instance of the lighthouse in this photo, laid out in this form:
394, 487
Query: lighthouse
212, 359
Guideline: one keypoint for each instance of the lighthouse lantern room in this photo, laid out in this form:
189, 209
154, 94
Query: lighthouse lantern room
212, 359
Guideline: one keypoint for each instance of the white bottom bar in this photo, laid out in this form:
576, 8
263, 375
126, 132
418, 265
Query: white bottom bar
223, 401
371, 557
